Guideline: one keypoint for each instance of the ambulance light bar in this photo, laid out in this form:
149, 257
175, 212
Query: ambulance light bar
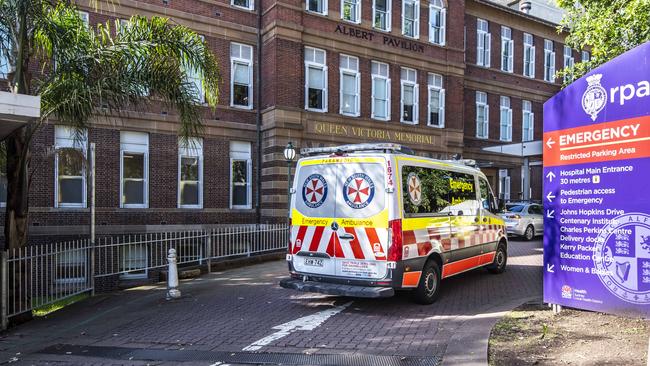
467, 162
386, 147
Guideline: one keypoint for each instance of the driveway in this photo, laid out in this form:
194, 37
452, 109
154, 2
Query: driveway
242, 316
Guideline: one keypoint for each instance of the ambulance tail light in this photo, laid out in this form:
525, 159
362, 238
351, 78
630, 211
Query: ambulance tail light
289, 249
394, 240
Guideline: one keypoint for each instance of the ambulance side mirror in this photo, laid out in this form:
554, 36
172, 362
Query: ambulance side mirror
292, 190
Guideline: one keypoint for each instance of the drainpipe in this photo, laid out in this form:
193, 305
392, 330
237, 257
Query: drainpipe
258, 92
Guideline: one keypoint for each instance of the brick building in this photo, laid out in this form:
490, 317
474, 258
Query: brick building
442, 77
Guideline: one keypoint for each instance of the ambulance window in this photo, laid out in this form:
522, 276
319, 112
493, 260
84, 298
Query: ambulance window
487, 200
425, 190
462, 194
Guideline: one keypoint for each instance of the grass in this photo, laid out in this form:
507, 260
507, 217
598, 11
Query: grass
50, 308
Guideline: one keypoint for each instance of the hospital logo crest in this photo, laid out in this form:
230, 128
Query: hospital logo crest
314, 191
622, 257
358, 190
595, 97
414, 188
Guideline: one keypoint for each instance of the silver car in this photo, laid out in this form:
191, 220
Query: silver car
524, 219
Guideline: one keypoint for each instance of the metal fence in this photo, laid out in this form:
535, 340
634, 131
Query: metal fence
36, 276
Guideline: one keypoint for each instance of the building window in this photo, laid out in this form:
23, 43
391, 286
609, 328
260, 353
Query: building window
409, 97
133, 260
436, 116
245, 4
528, 120
240, 175
529, 56
70, 169
190, 173
134, 169
483, 43
351, 10
504, 185
482, 115
549, 61
437, 22
586, 56
85, 18
350, 84
381, 10
506, 120
568, 63
380, 91
507, 50
315, 80
317, 6
195, 79
71, 268
241, 75
411, 18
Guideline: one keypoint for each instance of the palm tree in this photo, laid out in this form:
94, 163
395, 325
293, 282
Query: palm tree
85, 72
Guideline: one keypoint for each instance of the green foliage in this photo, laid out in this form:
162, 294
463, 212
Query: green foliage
607, 28
109, 68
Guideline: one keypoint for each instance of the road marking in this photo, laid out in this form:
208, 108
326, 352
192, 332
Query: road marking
309, 322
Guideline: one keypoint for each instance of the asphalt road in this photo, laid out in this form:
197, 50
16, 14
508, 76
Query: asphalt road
242, 316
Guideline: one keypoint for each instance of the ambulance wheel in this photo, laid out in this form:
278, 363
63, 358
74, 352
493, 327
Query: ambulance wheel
529, 234
429, 286
500, 260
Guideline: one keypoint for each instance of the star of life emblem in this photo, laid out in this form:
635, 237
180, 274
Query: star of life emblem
414, 189
595, 97
358, 190
622, 257
314, 191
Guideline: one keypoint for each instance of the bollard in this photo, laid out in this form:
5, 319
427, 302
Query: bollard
172, 276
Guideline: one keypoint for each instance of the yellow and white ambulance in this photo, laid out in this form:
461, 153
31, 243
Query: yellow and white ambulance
370, 219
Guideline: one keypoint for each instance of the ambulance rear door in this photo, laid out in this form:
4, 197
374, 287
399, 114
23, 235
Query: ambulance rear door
361, 217
314, 206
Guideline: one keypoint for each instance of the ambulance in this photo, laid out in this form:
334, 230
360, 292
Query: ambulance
368, 220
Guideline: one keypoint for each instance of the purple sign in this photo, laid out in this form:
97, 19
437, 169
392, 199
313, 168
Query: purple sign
597, 189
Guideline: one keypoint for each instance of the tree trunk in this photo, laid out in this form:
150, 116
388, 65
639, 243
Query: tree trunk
16, 218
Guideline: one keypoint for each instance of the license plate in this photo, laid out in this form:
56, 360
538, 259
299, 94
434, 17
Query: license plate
314, 262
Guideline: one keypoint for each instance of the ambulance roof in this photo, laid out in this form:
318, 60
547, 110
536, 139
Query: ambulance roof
384, 149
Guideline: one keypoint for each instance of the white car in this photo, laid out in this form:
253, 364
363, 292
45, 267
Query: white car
524, 219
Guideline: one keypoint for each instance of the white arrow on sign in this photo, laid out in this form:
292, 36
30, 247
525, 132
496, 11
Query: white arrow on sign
550, 196
550, 143
550, 213
549, 268
550, 176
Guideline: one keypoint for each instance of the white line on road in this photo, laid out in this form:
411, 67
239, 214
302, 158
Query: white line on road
309, 322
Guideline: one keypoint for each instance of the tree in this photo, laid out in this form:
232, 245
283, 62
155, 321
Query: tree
85, 72
607, 28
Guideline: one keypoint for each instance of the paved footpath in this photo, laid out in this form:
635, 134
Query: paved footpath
242, 316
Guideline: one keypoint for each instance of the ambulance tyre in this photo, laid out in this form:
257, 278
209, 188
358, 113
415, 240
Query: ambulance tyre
500, 260
429, 286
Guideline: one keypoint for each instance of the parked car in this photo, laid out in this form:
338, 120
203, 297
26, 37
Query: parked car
524, 219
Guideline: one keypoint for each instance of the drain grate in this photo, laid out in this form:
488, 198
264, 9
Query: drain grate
145, 354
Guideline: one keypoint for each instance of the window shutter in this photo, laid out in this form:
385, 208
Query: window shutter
431, 23
340, 92
372, 96
443, 26
306, 86
487, 120
532, 126
388, 99
511, 55
488, 45
416, 31
480, 48
532, 61
357, 100
416, 100
506, 193
510, 125
441, 116
552, 68
326, 88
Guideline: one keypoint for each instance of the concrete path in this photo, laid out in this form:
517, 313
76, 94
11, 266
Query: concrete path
242, 316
